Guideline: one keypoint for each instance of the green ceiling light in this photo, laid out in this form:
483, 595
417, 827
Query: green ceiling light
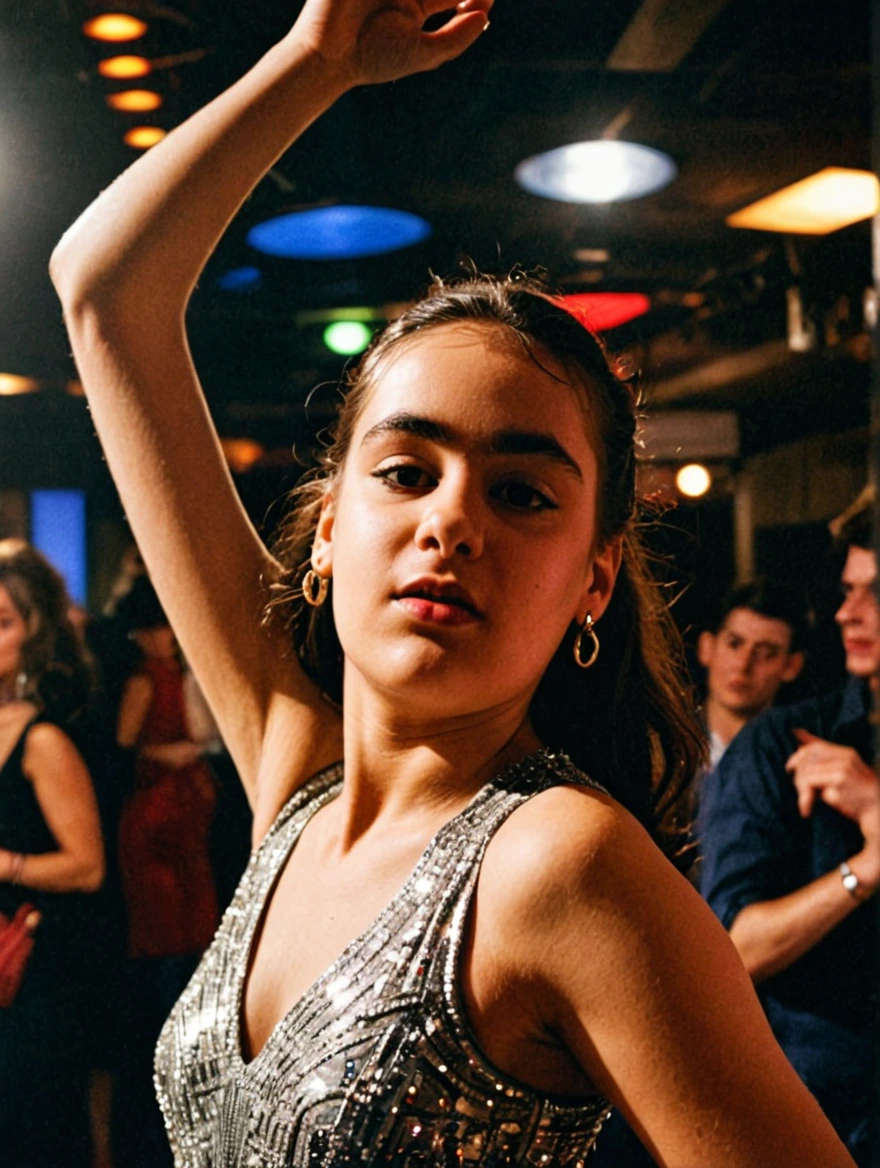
347, 337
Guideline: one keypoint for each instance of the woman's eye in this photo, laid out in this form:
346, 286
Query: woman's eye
405, 476
523, 497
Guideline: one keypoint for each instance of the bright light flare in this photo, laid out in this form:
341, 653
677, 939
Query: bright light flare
12, 384
115, 27
134, 100
124, 67
143, 137
824, 202
693, 480
602, 171
347, 337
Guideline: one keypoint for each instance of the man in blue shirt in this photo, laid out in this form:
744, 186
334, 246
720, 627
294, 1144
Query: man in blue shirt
790, 834
754, 648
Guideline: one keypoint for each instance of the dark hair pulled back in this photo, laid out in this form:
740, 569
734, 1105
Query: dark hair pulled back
628, 721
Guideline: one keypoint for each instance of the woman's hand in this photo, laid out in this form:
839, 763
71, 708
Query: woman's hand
371, 41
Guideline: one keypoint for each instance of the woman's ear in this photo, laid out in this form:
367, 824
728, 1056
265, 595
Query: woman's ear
322, 546
601, 578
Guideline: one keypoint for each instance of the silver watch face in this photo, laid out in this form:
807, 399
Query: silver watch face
850, 882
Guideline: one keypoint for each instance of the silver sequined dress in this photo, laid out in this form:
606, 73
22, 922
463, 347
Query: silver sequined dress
376, 1063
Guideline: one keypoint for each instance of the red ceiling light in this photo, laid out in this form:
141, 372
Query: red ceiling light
602, 311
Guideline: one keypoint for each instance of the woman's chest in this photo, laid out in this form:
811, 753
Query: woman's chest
315, 914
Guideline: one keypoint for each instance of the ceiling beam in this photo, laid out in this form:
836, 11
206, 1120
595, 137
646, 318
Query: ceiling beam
662, 33
722, 373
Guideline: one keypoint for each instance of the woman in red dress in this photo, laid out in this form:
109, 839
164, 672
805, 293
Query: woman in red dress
164, 863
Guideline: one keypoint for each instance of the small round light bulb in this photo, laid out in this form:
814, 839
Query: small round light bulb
693, 480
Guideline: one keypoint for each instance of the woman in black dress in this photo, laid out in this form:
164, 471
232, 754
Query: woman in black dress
51, 856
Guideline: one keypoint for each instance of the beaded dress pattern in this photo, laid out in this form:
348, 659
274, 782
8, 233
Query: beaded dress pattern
376, 1062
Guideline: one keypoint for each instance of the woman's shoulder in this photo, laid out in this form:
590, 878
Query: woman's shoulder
565, 823
49, 750
572, 851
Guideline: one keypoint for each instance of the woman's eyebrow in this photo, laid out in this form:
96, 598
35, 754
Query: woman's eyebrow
533, 442
403, 422
503, 442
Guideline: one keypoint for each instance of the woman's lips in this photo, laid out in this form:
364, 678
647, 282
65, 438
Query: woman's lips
438, 612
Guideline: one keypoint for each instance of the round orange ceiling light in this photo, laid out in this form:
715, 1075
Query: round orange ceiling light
114, 26
12, 383
143, 137
124, 67
134, 100
241, 453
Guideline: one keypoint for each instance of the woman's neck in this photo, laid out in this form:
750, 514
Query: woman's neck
402, 768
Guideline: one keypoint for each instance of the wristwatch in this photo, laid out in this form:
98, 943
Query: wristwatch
850, 881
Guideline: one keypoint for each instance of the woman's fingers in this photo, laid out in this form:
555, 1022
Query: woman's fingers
457, 35
434, 7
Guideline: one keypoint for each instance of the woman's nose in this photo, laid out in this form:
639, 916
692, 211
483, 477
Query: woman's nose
452, 522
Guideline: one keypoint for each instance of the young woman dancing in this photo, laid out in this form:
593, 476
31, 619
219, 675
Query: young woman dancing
450, 945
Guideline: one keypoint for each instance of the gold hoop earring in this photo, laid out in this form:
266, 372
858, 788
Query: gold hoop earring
586, 631
314, 588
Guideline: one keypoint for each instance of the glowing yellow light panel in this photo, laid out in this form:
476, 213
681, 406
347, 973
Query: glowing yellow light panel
143, 137
114, 26
124, 67
826, 201
134, 100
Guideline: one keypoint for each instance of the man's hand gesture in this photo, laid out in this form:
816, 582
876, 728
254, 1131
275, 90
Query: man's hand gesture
838, 776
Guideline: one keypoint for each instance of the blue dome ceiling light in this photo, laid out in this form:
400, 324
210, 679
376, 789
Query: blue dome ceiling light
340, 232
596, 172
246, 279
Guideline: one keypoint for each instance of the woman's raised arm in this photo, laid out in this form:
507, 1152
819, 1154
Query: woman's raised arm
125, 271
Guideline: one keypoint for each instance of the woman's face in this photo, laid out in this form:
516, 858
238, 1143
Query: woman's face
461, 535
13, 634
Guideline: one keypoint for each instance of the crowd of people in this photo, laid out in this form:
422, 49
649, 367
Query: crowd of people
106, 851
784, 814
458, 706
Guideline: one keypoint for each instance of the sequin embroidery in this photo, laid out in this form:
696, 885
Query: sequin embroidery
376, 1063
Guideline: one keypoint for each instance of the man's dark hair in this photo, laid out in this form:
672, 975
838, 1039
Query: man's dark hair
854, 527
774, 600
